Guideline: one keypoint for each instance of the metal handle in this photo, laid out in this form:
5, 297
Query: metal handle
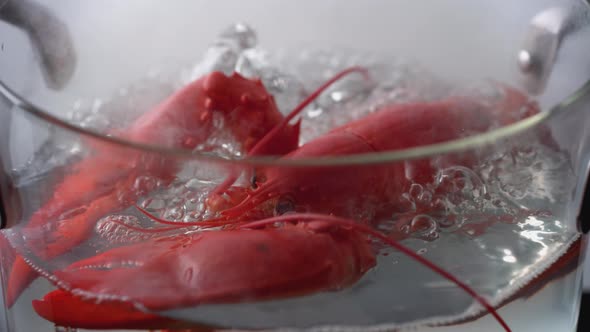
9, 200
542, 42
49, 36
584, 215
51, 41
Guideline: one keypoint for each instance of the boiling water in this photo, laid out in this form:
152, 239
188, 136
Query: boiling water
496, 226
554, 308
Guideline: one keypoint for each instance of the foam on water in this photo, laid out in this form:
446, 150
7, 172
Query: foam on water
286, 88
115, 229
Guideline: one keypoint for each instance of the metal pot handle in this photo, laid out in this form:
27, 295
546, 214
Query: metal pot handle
543, 40
51, 41
537, 57
49, 37
9, 199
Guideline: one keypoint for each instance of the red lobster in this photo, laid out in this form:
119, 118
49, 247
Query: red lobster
305, 253
102, 183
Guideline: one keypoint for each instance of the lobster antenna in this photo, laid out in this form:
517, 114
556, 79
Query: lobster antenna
390, 242
261, 194
265, 140
297, 110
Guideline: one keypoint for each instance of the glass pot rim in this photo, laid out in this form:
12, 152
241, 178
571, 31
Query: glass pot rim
418, 152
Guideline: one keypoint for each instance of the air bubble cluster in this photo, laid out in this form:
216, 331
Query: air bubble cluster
121, 229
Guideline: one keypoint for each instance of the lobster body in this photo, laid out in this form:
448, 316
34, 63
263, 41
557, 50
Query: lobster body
107, 181
371, 191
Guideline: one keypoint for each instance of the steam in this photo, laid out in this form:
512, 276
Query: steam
120, 41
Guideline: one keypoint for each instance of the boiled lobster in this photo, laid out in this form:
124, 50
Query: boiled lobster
108, 181
281, 254
287, 270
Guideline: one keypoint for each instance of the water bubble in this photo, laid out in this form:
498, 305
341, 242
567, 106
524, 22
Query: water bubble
424, 198
386, 225
415, 190
475, 229
118, 229
485, 92
241, 34
405, 204
176, 201
405, 229
460, 185
125, 196
284, 206
515, 185
287, 90
530, 171
196, 184
422, 224
223, 54
219, 57
177, 187
174, 214
195, 214
253, 63
446, 222
349, 89
525, 156
193, 200
314, 112
220, 141
59, 150
423, 227
153, 204
144, 184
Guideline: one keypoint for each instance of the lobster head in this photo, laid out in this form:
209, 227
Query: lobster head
248, 110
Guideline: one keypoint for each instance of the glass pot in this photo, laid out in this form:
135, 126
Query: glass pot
435, 185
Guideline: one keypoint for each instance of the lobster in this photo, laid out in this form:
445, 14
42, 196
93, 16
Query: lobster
65, 309
101, 183
296, 253
288, 270
323, 190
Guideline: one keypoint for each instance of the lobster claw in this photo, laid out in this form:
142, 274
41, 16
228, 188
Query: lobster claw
65, 309
180, 121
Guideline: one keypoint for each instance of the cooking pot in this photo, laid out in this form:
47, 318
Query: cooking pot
144, 185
